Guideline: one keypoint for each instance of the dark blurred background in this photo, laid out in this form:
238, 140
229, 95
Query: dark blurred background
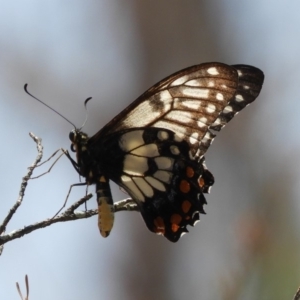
247, 246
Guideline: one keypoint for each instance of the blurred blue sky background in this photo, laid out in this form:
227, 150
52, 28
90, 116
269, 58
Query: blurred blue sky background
247, 246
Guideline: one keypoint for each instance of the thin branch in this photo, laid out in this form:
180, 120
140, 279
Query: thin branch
27, 289
68, 215
126, 204
24, 183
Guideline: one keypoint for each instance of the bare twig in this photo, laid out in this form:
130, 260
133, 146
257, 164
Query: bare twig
27, 289
24, 183
68, 215
126, 204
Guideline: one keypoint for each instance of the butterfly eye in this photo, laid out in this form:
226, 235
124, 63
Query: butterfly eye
72, 136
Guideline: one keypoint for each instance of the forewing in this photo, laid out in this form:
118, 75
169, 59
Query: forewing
250, 81
187, 103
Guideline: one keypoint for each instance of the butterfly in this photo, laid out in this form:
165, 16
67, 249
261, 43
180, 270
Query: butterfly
154, 149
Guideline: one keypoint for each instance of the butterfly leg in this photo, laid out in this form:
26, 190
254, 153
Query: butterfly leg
54, 154
105, 206
66, 200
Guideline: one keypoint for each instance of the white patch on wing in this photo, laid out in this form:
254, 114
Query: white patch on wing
162, 135
149, 110
194, 138
178, 137
210, 108
194, 82
219, 97
149, 150
155, 183
180, 116
164, 95
192, 104
194, 92
213, 71
132, 188
239, 98
211, 83
164, 163
174, 150
203, 120
201, 124
163, 176
179, 129
216, 122
143, 186
180, 80
131, 140
227, 109
135, 165
144, 115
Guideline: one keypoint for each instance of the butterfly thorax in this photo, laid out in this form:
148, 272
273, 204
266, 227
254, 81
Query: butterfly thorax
86, 166
90, 168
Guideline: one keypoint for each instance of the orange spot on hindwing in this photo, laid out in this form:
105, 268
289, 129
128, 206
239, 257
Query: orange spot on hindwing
185, 206
190, 172
184, 186
175, 221
201, 182
159, 225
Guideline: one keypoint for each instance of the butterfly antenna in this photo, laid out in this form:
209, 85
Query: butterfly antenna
25, 88
86, 114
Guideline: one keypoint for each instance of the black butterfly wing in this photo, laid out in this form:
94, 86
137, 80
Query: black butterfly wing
186, 107
154, 167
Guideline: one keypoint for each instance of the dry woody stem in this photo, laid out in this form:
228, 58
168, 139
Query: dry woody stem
69, 214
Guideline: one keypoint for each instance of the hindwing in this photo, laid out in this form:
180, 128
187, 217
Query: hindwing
154, 167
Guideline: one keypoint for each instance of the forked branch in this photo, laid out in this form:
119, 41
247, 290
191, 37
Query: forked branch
27, 289
70, 214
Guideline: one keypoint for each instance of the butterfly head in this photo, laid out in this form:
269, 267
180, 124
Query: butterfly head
79, 140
